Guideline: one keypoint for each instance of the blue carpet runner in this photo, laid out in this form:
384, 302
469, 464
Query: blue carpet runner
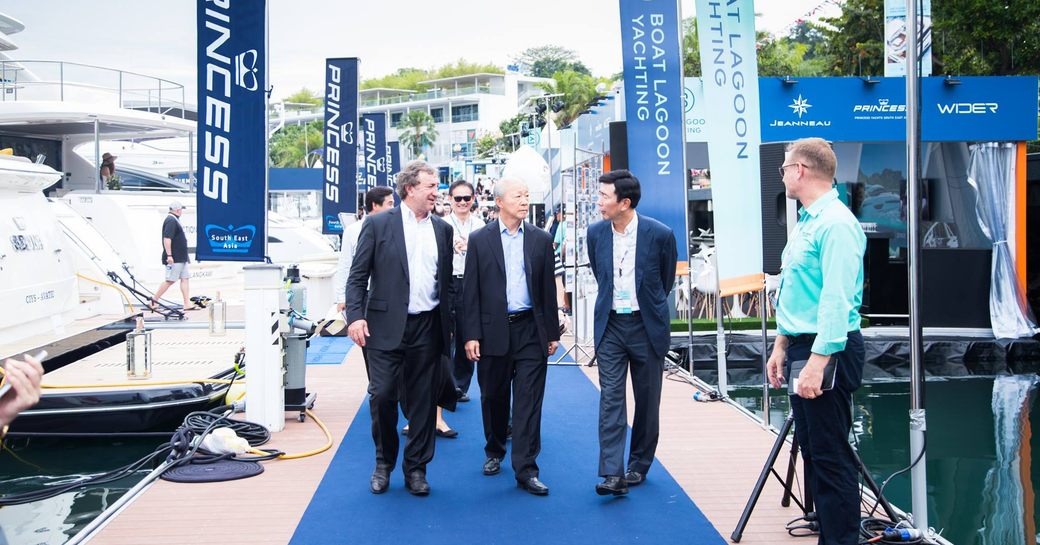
467, 507
328, 350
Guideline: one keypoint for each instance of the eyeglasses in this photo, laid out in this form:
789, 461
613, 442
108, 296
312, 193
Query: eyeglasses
463, 198
783, 168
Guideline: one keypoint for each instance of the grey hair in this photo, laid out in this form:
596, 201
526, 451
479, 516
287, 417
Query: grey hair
500, 186
409, 176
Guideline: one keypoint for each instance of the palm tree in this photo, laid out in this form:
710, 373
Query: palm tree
417, 131
578, 90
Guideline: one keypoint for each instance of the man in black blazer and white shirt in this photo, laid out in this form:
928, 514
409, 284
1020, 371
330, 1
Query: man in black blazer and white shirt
403, 262
511, 327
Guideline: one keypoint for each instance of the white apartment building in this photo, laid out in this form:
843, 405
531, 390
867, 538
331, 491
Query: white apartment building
464, 108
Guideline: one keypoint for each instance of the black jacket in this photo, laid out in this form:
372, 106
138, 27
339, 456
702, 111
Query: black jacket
381, 258
484, 290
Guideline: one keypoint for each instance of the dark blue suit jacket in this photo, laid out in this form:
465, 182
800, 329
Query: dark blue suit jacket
655, 275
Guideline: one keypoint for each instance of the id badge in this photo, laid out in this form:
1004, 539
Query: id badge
622, 302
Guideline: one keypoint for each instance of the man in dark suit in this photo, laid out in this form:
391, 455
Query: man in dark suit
633, 257
403, 262
511, 327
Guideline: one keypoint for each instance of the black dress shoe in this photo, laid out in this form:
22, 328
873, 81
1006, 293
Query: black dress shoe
634, 478
449, 433
380, 481
534, 486
416, 484
463, 397
612, 485
492, 466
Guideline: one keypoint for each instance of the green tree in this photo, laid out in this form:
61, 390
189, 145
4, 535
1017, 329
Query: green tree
691, 48
417, 131
852, 40
510, 129
409, 78
304, 98
546, 60
578, 91
486, 145
973, 37
784, 57
293, 145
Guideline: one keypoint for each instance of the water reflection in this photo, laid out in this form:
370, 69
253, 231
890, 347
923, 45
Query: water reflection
981, 476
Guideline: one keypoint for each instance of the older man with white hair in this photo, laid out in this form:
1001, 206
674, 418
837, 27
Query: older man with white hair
511, 327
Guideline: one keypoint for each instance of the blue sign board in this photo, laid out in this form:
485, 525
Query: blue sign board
393, 161
968, 109
232, 99
652, 60
341, 115
373, 148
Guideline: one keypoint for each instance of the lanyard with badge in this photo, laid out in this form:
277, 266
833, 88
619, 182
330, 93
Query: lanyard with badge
622, 297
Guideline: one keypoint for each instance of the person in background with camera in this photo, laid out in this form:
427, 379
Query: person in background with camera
463, 222
817, 319
633, 258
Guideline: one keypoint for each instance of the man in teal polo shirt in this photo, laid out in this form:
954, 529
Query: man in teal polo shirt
817, 318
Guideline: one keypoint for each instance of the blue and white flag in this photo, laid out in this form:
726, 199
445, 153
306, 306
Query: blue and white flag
232, 101
373, 148
652, 60
726, 30
341, 119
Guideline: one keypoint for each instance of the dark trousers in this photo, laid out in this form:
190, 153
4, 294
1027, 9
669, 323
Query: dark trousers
462, 368
624, 345
523, 367
821, 426
411, 367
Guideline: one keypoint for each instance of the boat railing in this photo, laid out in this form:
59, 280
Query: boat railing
62, 81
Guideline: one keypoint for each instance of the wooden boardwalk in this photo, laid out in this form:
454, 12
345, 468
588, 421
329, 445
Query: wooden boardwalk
711, 449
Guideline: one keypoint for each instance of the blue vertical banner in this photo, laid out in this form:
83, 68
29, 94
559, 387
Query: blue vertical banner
341, 121
652, 59
373, 148
232, 101
726, 30
393, 162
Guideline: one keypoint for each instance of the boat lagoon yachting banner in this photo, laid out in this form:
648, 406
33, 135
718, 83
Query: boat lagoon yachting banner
726, 30
695, 110
652, 60
232, 99
373, 147
341, 116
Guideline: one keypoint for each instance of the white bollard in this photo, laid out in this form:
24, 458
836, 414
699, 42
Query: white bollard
265, 372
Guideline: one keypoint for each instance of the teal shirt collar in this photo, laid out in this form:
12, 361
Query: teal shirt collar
815, 208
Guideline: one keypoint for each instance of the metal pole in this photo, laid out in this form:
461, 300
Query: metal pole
97, 156
548, 139
918, 475
61, 82
720, 333
765, 346
191, 161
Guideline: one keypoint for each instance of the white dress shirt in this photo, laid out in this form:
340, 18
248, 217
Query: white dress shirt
348, 246
462, 230
420, 244
625, 266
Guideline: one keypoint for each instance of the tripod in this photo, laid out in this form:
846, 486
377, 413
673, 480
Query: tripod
807, 506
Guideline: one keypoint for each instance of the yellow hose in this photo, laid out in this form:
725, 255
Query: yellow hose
328, 442
113, 286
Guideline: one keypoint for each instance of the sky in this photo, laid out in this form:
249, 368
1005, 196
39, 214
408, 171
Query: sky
157, 37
